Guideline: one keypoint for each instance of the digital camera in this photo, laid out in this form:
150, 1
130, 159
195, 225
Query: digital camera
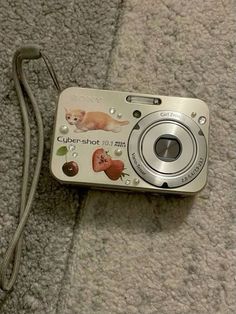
130, 141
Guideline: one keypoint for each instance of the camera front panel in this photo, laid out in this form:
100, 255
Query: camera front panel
122, 140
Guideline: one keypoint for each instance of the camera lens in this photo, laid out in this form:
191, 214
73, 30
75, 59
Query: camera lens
167, 148
164, 152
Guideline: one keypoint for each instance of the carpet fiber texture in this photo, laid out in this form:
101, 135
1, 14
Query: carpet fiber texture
103, 252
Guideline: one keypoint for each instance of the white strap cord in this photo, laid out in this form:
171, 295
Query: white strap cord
13, 253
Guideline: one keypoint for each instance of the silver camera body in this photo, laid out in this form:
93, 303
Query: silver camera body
130, 141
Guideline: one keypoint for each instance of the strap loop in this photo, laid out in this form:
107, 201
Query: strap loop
15, 247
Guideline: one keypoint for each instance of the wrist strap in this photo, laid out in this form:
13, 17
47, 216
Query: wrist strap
13, 252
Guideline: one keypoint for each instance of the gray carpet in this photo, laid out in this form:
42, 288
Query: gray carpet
102, 252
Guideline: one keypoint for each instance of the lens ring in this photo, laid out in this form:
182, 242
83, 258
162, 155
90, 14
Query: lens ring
175, 129
157, 177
